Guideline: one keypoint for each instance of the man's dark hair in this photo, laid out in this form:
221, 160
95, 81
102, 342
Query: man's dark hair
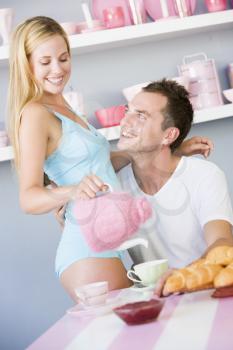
178, 111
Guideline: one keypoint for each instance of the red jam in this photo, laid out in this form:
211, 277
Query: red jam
140, 312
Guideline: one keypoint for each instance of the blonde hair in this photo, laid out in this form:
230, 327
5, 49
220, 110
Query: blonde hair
23, 87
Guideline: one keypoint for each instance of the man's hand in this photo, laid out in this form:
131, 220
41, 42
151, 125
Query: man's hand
60, 216
161, 282
195, 145
59, 213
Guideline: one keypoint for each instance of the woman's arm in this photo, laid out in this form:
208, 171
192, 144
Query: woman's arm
195, 145
119, 159
34, 197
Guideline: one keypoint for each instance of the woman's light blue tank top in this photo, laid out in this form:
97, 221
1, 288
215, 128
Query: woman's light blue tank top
80, 152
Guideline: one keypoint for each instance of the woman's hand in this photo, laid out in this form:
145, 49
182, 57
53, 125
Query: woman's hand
195, 145
88, 187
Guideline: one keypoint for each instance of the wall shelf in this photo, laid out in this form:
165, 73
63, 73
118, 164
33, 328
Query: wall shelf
153, 31
113, 133
134, 35
6, 153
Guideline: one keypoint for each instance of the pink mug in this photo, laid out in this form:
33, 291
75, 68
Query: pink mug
216, 5
114, 17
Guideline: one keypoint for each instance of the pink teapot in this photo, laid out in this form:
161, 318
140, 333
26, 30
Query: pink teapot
108, 221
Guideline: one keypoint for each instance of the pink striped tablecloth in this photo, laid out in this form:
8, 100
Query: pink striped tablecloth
192, 321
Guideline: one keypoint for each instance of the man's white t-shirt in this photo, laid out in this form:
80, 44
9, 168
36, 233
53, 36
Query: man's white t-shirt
195, 194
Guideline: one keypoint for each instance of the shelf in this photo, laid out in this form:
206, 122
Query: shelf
6, 153
214, 113
137, 34
113, 133
153, 31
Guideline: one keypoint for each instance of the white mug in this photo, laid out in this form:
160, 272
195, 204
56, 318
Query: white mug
148, 272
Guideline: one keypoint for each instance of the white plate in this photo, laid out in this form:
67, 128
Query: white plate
98, 310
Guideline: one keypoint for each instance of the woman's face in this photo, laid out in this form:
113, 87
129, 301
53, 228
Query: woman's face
51, 65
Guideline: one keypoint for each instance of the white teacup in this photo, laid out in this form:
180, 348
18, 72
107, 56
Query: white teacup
92, 294
149, 272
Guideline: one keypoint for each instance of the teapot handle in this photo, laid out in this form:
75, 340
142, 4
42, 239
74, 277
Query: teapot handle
132, 243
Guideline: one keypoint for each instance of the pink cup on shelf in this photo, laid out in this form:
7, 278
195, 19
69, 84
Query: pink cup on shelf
114, 17
216, 5
110, 116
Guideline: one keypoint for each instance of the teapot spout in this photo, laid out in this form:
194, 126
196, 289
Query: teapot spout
132, 243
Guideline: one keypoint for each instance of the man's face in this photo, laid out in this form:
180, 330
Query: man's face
141, 127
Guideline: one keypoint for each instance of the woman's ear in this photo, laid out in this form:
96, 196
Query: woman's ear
171, 135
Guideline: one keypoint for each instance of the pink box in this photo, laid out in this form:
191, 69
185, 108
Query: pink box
206, 100
203, 86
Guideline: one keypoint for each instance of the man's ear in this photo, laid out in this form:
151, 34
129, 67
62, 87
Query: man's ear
171, 135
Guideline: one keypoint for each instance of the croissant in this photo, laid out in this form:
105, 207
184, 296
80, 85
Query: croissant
191, 278
197, 263
222, 255
225, 277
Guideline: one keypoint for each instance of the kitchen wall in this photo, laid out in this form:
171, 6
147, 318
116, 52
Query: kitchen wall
31, 298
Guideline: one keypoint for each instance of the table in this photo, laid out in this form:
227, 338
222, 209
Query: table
192, 321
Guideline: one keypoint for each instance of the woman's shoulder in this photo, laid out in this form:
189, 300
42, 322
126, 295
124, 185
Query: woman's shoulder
35, 112
34, 108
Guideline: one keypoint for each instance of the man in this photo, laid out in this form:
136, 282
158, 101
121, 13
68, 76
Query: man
191, 207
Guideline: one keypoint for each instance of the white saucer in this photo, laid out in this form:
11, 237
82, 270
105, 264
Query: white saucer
144, 288
81, 311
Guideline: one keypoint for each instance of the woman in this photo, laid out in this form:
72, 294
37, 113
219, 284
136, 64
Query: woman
49, 137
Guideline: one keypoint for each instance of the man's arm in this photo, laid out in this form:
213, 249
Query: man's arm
119, 159
194, 145
217, 233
